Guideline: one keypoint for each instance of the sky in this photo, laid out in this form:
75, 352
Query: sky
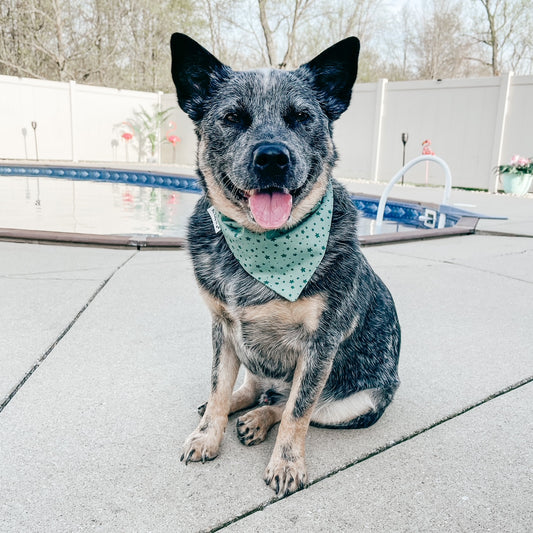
397, 5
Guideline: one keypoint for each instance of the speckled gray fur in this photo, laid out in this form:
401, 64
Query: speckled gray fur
355, 345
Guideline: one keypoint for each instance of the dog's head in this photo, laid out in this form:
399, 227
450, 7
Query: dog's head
265, 137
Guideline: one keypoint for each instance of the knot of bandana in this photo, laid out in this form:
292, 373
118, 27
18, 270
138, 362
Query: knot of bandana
282, 260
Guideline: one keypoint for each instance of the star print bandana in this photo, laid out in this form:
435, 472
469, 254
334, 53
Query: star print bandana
283, 260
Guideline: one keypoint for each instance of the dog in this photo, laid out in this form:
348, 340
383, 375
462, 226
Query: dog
274, 247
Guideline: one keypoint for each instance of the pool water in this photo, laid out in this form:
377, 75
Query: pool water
52, 204
104, 208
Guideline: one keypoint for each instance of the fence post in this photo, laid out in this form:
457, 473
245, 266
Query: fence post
378, 123
72, 98
159, 109
499, 129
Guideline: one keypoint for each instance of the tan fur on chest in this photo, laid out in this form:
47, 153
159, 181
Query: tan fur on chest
270, 338
305, 312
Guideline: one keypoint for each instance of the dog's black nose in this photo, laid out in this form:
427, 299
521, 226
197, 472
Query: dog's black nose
271, 160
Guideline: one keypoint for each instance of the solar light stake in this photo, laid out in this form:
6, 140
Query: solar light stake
405, 138
34, 126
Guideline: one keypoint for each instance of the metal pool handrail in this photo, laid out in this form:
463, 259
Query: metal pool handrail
400, 173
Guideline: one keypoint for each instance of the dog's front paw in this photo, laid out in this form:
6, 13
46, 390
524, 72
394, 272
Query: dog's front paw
286, 476
202, 445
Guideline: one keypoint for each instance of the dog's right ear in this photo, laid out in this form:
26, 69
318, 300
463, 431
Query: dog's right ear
196, 72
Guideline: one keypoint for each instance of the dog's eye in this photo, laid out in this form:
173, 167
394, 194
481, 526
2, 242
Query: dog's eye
301, 116
237, 118
234, 118
294, 118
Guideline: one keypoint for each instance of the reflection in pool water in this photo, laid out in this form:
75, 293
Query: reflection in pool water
52, 204
88, 207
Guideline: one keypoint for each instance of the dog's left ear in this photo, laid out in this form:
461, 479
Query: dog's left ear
332, 75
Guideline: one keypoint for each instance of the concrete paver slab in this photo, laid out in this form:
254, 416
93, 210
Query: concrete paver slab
43, 288
472, 473
34, 261
93, 438
510, 257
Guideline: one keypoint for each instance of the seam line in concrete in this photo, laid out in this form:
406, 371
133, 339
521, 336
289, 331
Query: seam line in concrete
462, 265
477, 269
378, 451
27, 278
49, 350
503, 234
68, 271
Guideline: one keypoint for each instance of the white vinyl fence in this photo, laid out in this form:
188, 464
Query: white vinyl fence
473, 124
73, 122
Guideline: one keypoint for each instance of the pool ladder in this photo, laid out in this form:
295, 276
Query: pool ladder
430, 216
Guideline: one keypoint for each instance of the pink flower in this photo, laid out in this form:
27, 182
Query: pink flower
519, 161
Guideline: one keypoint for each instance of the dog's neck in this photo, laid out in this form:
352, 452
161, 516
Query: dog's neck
283, 260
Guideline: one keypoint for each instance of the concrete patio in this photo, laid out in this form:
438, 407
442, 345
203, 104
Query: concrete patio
105, 354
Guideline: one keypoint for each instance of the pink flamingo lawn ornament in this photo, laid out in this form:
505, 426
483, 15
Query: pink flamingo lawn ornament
426, 150
127, 136
172, 139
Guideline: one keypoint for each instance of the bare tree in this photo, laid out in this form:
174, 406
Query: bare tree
39, 38
125, 44
92, 41
14, 25
295, 30
439, 42
222, 26
267, 32
281, 21
507, 29
333, 21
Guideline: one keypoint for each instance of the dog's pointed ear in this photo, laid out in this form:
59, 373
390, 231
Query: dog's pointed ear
332, 75
196, 72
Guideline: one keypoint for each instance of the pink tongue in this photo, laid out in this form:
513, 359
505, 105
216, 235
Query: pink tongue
271, 210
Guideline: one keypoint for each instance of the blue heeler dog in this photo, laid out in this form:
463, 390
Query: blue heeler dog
275, 253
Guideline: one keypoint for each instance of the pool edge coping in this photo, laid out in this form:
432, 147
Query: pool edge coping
465, 226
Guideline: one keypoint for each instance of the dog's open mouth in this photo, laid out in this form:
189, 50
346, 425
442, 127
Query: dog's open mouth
271, 208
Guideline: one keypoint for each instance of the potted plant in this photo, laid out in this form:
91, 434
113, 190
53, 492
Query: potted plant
517, 176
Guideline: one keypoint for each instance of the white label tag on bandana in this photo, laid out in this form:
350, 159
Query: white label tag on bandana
213, 216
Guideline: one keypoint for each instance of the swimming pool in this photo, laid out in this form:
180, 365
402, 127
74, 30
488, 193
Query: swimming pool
143, 208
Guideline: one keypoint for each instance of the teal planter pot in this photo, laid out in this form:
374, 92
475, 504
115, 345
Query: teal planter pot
518, 184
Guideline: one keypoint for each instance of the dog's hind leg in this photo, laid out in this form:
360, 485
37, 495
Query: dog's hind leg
253, 427
359, 410
245, 396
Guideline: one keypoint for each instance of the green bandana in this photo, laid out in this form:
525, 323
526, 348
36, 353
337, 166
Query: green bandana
283, 260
